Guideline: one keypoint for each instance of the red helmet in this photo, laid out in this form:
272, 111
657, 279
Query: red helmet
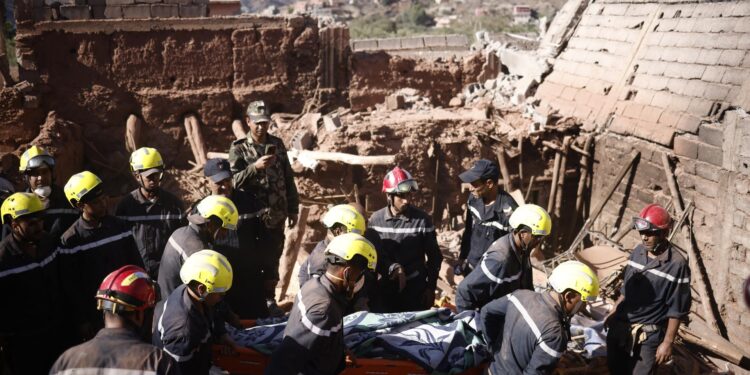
399, 181
127, 289
653, 217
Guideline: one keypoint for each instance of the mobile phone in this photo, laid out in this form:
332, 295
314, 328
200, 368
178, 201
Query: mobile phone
270, 149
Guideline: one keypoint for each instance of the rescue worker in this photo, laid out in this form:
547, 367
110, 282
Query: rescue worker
154, 212
260, 167
38, 167
406, 237
487, 213
314, 336
240, 246
95, 245
209, 221
654, 298
32, 333
340, 219
528, 331
187, 327
126, 298
505, 266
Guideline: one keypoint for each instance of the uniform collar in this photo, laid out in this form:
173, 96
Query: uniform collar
140, 198
14, 247
123, 332
83, 224
661, 259
555, 305
331, 289
406, 216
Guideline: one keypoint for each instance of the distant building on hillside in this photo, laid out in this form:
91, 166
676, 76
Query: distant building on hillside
522, 14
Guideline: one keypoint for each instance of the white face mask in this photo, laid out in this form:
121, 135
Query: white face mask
577, 308
358, 286
43, 192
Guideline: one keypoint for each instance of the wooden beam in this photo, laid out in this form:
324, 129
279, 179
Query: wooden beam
507, 180
291, 250
133, 128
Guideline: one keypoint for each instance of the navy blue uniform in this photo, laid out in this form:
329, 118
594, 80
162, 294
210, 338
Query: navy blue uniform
405, 239
314, 336
111, 350
185, 333
59, 215
30, 321
484, 225
655, 290
183, 243
241, 247
153, 223
526, 332
500, 271
88, 254
315, 264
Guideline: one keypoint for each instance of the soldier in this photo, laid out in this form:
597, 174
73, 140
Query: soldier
487, 214
154, 212
408, 248
260, 167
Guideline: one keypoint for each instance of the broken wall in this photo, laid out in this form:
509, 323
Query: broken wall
666, 77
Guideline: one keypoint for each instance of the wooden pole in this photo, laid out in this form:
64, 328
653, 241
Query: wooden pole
585, 164
507, 181
436, 190
238, 129
291, 250
600, 206
560, 192
133, 128
528, 189
520, 163
195, 139
553, 186
697, 271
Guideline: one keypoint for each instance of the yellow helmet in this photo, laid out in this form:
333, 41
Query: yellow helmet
347, 245
575, 276
533, 217
216, 205
20, 204
34, 157
81, 185
208, 268
346, 215
145, 158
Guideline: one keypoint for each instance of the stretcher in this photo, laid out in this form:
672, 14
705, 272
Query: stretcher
251, 362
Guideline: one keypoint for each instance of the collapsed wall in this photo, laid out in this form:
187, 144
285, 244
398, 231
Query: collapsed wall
665, 77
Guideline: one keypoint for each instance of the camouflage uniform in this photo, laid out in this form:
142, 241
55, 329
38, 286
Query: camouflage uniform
273, 186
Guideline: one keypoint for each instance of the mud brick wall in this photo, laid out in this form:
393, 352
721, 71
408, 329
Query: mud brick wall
667, 77
53, 10
97, 72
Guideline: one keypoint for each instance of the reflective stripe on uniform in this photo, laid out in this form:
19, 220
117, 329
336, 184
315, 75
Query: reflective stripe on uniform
660, 273
152, 217
70, 211
94, 244
534, 328
309, 324
177, 248
253, 215
404, 230
494, 278
488, 223
30, 266
178, 358
102, 371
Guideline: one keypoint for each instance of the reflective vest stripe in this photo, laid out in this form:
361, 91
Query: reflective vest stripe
534, 328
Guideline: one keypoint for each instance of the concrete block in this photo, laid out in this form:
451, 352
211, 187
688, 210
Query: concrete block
661, 99
75, 12
651, 114
332, 123
394, 102
713, 73
412, 43
148, 1
689, 123
679, 103
435, 41
711, 134
700, 107
669, 119
456, 40
706, 187
165, 11
389, 44
178, 2
113, 12
709, 56
136, 11
735, 76
716, 92
710, 154
97, 11
523, 64
732, 57
119, 2
302, 140
192, 11
709, 172
364, 45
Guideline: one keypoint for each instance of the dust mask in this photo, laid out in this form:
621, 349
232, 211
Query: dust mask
43, 192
